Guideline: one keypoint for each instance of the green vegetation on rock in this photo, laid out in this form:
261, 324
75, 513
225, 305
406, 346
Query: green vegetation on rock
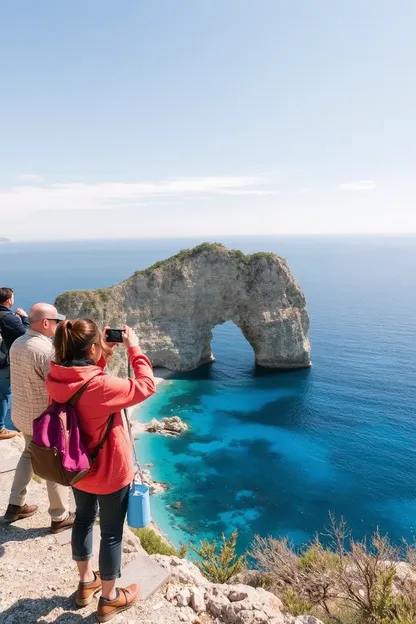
187, 254
154, 544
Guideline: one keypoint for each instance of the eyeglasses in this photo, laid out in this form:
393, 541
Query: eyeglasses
55, 319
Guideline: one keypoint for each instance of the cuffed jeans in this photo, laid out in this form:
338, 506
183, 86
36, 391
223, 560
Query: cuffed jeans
5, 394
57, 494
113, 509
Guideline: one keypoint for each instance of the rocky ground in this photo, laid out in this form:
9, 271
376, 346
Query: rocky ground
38, 579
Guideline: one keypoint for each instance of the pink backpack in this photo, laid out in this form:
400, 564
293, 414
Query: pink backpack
58, 453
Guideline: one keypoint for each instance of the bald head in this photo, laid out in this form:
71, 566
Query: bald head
42, 318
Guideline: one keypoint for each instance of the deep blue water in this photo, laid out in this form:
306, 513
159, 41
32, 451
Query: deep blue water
272, 453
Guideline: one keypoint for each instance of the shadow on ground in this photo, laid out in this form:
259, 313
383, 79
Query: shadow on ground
33, 610
12, 533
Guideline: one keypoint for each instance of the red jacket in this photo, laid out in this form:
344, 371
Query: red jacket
105, 395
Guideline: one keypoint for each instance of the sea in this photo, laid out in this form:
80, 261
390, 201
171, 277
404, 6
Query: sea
274, 453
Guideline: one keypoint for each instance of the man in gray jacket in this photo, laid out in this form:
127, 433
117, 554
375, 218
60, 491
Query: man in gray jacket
30, 357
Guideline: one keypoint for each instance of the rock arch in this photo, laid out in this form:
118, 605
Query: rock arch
175, 304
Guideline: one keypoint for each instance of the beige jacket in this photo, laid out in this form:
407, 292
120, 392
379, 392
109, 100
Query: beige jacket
30, 357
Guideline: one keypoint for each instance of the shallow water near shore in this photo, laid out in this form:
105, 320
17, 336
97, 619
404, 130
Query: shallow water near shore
274, 452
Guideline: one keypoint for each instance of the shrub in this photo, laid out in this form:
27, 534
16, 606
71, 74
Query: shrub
353, 583
297, 605
154, 544
219, 562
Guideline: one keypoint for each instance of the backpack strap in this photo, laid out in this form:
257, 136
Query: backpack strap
73, 401
75, 397
104, 438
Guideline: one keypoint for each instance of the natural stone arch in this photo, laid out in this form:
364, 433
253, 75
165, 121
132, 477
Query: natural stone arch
175, 304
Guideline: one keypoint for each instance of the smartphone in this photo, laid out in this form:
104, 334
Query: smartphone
114, 335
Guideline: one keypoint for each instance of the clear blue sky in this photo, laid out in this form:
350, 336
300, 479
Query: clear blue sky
175, 117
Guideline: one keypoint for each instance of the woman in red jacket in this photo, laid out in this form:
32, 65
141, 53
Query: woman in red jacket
81, 354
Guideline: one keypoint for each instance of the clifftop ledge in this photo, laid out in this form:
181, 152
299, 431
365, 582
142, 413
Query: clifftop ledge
174, 305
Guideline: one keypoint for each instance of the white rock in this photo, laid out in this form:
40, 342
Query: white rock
236, 595
187, 615
171, 592
230, 612
216, 603
183, 597
182, 570
251, 617
197, 600
274, 601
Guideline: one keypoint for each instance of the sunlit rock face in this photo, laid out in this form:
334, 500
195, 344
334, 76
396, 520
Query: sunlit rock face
175, 304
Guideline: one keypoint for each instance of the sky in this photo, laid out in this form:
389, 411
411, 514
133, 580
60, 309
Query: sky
206, 117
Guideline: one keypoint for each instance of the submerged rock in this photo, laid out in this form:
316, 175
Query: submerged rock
178, 505
175, 304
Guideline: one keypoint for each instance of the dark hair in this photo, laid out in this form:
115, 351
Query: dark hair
5, 294
73, 340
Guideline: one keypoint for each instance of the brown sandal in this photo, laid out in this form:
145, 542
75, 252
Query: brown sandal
126, 597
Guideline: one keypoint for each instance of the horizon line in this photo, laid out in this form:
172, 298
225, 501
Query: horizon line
210, 237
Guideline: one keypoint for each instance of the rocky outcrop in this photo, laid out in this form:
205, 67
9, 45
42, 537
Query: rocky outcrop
168, 426
233, 604
155, 487
172, 426
175, 304
194, 596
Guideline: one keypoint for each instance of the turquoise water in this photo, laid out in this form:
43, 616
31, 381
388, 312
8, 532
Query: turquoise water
274, 452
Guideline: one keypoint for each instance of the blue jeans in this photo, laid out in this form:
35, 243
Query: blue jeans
5, 394
113, 509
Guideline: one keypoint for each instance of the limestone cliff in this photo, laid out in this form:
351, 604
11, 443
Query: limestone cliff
175, 304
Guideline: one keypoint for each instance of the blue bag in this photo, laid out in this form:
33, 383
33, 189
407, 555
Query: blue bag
138, 509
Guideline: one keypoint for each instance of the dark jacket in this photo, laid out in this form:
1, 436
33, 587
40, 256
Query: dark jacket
12, 326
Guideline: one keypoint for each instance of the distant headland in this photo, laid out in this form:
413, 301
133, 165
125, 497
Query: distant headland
3, 239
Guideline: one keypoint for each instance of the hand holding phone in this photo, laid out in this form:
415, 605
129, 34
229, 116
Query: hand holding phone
130, 339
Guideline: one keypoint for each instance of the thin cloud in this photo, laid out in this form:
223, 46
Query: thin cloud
31, 178
93, 196
360, 185
305, 191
